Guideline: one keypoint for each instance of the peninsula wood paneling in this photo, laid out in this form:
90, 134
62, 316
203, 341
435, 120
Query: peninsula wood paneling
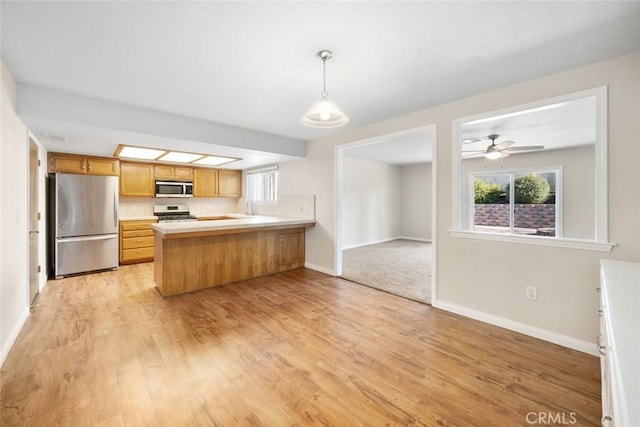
191, 263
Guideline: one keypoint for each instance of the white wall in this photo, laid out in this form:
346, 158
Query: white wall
13, 218
382, 202
415, 201
466, 277
578, 176
371, 210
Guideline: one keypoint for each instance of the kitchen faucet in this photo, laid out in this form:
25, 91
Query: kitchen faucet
249, 207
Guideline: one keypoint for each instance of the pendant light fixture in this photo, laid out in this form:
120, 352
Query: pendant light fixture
324, 113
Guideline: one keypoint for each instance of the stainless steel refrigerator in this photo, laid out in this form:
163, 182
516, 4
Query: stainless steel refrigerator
84, 223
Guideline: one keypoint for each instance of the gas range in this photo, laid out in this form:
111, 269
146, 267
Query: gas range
173, 213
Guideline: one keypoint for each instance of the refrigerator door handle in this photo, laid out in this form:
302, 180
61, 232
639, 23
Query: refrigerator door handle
115, 207
86, 238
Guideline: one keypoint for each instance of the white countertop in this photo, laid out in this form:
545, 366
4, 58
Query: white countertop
138, 218
621, 297
218, 214
198, 215
243, 222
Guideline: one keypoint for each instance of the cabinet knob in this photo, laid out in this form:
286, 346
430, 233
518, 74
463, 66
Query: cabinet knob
606, 419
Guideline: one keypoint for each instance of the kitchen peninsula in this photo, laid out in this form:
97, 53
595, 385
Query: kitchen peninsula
197, 255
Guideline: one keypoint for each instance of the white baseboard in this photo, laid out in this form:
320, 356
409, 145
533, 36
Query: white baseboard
320, 269
14, 334
415, 239
359, 245
523, 328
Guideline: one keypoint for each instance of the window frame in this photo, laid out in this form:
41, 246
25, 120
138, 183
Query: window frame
263, 170
513, 173
600, 240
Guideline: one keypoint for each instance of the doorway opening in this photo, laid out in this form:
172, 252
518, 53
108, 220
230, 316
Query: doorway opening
34, 222
386, 213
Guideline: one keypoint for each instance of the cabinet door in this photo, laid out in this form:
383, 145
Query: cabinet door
205, 182
164, 171
230, 183
182, 172
136, 180
98, 166
66, 163
291, 248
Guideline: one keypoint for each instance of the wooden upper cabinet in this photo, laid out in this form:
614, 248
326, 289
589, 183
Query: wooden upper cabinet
137, 180
183, 172
66, 163
205, 182
173, 172
72, 163
230, 183
103, 166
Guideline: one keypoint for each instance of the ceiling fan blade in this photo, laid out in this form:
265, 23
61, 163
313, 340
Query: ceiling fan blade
503, 145
473, 151
526, 148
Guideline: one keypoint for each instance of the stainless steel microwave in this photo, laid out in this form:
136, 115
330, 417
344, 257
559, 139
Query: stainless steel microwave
174, 189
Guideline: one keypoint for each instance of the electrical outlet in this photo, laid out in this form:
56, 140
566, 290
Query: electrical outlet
532, 293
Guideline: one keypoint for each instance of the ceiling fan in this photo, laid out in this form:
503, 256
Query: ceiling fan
501, 150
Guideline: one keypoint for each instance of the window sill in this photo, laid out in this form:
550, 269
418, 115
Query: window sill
589, 245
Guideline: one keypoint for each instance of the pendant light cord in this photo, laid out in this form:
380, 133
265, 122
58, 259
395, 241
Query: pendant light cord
324, 93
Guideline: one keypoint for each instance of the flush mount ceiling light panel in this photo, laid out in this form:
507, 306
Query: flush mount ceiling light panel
214, 160
159, 155
139, 152
176, 156
324, 113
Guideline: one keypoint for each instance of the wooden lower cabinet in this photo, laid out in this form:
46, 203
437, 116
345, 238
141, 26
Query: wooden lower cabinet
136, 241
191, 261
291, 249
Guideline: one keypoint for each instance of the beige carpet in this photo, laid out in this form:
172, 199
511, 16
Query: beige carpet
401, 267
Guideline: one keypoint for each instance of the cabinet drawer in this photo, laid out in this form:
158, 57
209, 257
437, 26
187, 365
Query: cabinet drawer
138, 242
137, 233
128, 226
137, 254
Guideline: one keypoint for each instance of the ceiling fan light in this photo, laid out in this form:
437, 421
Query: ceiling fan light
493, 155
324, 114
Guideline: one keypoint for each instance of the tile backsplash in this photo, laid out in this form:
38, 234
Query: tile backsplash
143, 206
292, 206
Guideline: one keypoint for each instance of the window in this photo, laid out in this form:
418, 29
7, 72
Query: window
525, 202
561, 139
262, 184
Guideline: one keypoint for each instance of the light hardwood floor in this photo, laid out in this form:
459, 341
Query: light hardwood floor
295, 348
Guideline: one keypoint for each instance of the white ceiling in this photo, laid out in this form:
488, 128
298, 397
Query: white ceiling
249, 68
406, 148
561, 125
